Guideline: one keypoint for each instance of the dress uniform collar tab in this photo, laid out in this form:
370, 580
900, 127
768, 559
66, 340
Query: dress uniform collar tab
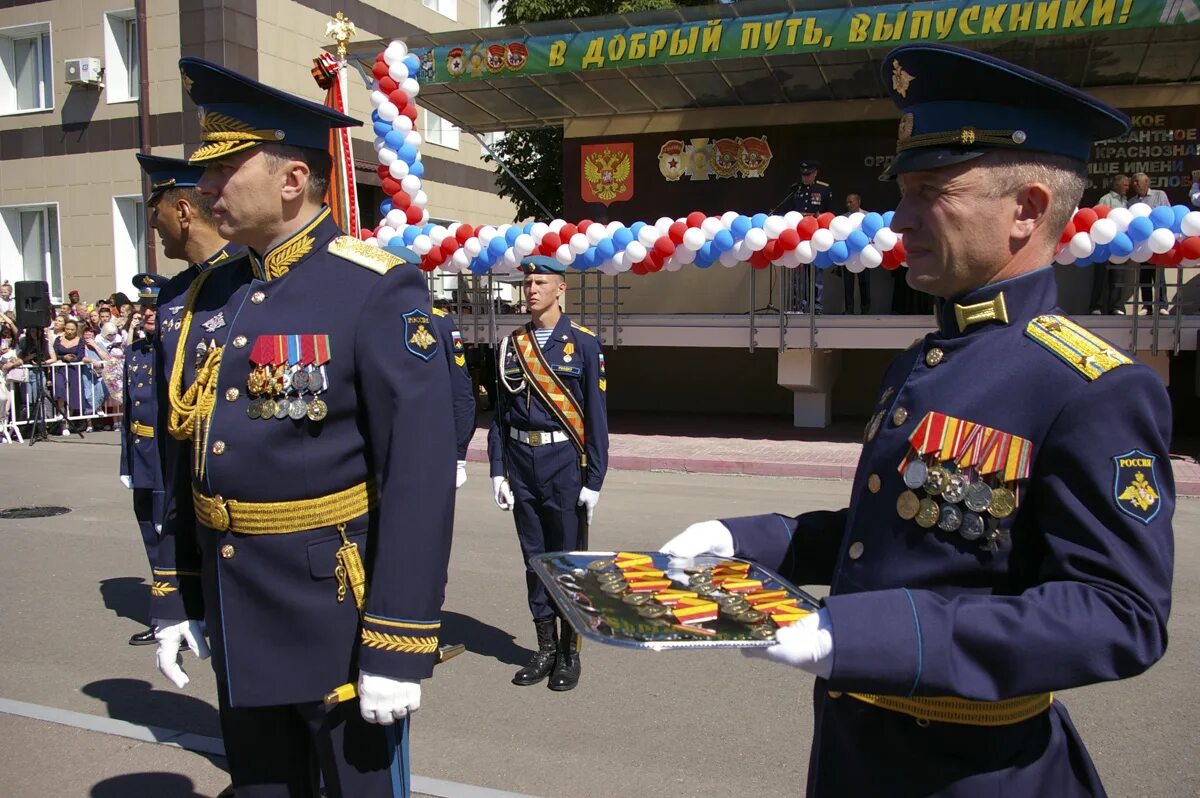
279, 260
1006, 302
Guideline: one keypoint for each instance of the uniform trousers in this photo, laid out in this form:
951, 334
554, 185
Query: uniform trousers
291, 751
545, 482
143, 511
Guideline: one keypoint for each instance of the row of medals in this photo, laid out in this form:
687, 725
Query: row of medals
700, 580
279, 393
945, 488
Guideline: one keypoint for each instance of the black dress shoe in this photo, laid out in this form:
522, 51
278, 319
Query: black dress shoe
145, 638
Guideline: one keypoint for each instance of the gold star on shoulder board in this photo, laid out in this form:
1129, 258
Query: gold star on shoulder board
900, 79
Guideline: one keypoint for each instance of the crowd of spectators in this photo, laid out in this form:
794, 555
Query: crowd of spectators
94, 334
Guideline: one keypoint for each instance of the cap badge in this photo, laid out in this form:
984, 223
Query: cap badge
966, 136
900, 79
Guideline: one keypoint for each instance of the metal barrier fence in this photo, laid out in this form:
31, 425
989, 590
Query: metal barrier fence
71, 394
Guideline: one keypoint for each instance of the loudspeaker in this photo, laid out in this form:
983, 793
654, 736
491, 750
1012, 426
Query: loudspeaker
33, 304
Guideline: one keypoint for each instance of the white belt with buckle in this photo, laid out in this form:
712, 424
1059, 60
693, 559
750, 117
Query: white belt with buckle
536, 438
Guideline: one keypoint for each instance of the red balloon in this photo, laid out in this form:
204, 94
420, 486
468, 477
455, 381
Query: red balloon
552, 241
380, 70
436, 256
567, 231
664, 247
824, 219
387, 85
1068, 233
1173, 256
899, 253
449, 245
772, 250
383, 172
638, 268
401, 200
398, 98
1101, 211
390, 185
462, 233
366, 233
414, 215
808, 225
759, 260
410, 111
675, 232
583, 225
789, 239
695, 219
426, 265
1084, 219
1190, 247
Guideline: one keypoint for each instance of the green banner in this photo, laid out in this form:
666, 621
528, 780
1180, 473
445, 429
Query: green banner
824, 30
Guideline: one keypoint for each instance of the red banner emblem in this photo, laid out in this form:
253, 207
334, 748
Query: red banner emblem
606, 172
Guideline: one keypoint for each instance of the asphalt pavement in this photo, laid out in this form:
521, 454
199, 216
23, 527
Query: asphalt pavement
84, 714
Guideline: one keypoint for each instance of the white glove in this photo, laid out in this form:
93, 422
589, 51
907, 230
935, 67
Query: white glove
170, 634
126, 481
384, 700
706, 537
460, 474
502, 493
588, 498
807, 645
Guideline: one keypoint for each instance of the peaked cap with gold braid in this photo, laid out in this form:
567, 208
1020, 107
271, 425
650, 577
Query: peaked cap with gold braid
237, 113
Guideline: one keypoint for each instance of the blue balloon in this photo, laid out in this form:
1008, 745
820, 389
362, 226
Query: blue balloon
1101, 253
413, 63
707, 250
416, 168
1140, 228
606, 248
394, 139
385, 207
1179, 212
1081, 262
887, 218
622, 238
1162, 216
408, 154
741, 225
839, 253
375, 118
822, 260
703, 261
872, 223
758, 220
636, 228
1121, 245
510, 235
528, 227
478, 268
723, 241
410, 234
381, 128
497, 246
588, 259
857, 240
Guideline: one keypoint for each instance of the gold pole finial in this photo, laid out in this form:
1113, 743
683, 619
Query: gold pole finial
341, 30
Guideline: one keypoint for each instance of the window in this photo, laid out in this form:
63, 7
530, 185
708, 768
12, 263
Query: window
490, 13
26, 82
439, 131
129, 239
447, 8
29, 240
122, 70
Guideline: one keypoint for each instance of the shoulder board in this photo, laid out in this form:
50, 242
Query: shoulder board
439, 312
355, 251
1083, 351
822, 183
582, 329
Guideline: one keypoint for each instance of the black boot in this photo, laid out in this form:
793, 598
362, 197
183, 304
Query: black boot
145, 638
566, 665
543, 659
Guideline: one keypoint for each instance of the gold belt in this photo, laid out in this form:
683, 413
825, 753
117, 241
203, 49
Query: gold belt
143, 430
951, 709
280, 518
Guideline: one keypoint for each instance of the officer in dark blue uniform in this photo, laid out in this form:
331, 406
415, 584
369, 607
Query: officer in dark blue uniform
140, 470
1009, 529
812, 198
322, 461
182, 217
450, 341
548, 448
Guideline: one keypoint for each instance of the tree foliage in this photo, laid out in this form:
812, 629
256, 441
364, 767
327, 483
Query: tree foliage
536, 156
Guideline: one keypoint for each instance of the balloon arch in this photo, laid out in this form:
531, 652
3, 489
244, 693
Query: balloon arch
1163, 236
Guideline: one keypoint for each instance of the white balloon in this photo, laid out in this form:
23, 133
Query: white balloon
388, 111
729, 258
840, 227
822, 240
564, 255
387, 155
1064, 257
611, 228
624, 266
1103, 231
1121, 259
410, 87
1190, 225
885, 239
1121, 217
774, 225
524, 244
870, 256
693, 238
789, 259
1161, 240
756, 239
402, 123
539, 230
384, 234
557, 224
617, 259
684, 255
579, 243
727, 218
486, 234
395, 51
1142, 252
711, 226
792, 218
647, 235
856, 219
438, 234
742, 250
420, 199
1140, 209
379, 143
398, 169
410, 183
635, 252
855, 265
378, 98
511, 258
674, 264
396, 218
412, 137
805, 252
422, 244
595, 234
608, 267
1081, 245
472, 246
372, 242
398, 71
663, 225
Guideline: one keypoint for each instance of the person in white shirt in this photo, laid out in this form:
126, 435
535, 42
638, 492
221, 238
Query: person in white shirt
1106, 295
1150, 277
7, 302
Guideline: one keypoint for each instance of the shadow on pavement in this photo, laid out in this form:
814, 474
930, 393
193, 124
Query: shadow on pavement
482, 638
136, 701
159, 785
127, 597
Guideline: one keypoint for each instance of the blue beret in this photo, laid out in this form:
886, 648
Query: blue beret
958, 104
148, 285
237, 113
168, 173
540, 264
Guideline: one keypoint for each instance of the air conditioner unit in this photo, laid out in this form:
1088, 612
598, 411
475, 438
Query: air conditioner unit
85, 72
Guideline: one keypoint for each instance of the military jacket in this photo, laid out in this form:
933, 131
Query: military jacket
574, 354
1070, 586
139, 419
463, 389
285, 625
815, 199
